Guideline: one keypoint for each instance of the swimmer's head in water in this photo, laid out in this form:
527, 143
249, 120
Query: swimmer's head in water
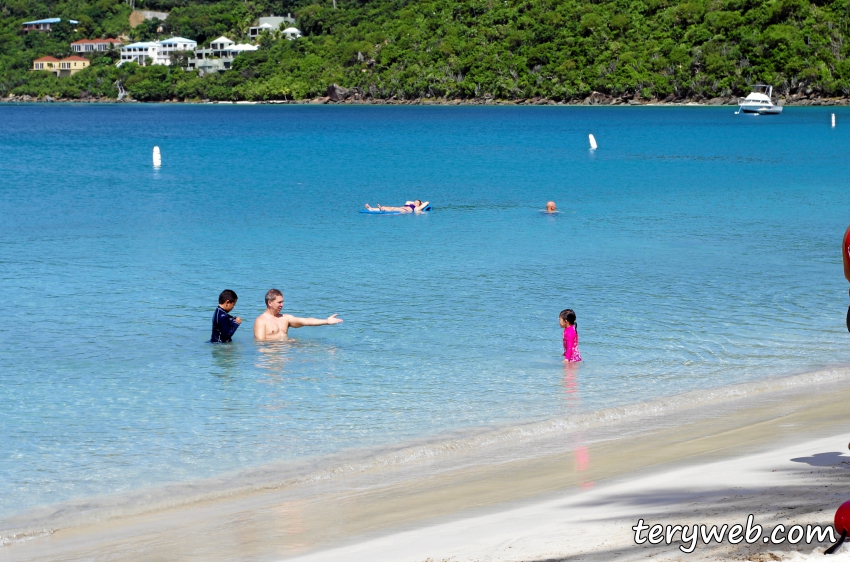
568, 317
227, 296
550, 206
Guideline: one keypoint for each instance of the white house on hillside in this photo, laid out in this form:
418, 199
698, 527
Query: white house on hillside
139, 52
218, 57
291, 33
174, 44
159, 52
219, 45
272, 24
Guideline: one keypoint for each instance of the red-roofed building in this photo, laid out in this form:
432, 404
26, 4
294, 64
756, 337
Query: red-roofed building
65, 67
46, 63
95, 45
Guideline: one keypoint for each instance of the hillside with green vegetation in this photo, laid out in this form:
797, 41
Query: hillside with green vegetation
405, 49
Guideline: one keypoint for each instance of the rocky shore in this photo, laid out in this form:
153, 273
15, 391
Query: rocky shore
51, 99
338, 95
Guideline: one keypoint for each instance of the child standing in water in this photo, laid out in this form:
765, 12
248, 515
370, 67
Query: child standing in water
567, 319
224, 325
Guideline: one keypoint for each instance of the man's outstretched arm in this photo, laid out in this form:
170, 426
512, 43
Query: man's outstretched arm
295, 322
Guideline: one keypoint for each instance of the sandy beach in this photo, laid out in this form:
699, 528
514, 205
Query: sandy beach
557, 490
792, 485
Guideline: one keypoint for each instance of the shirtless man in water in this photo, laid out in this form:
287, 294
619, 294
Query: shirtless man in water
272, 325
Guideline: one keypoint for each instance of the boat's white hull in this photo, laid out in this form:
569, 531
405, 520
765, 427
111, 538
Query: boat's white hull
761, 109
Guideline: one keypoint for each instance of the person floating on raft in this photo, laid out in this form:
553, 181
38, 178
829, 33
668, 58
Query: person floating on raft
410, 207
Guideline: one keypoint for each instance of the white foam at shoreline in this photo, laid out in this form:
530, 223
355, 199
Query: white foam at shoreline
436, 454
22, 537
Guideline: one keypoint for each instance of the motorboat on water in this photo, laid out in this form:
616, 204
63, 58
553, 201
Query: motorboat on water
759, 101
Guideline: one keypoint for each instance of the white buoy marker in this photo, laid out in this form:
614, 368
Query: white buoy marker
592, 140
833, 120
157, 157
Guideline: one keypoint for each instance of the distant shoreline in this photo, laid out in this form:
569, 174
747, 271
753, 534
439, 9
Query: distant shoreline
595, 99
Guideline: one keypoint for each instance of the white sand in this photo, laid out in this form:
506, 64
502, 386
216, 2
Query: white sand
595, 523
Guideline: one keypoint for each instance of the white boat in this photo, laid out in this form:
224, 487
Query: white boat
759, 101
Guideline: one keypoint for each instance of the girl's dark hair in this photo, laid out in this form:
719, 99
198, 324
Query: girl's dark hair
569, 316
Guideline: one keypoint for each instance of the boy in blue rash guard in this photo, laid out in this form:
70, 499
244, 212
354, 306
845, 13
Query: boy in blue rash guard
224, 325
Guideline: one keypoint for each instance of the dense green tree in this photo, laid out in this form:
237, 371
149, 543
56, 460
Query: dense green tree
511, 49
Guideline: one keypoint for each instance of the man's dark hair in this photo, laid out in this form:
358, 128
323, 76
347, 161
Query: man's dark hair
270, 296
227, 296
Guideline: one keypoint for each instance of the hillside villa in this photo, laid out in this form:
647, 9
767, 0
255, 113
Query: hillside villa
138, 53
291, 33
272, 24
44, 26
95, 45
61, 68
218, 57
45, 63
159, 52
172, 45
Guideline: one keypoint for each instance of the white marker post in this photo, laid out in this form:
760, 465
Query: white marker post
592, 142
157, 157
833, 120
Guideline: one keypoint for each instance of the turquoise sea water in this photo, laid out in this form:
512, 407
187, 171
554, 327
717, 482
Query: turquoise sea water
698, 248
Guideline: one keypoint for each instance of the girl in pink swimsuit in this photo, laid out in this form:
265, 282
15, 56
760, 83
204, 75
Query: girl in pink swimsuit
567, 319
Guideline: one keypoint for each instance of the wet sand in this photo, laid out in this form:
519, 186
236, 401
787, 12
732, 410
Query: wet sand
799, 484
560, 489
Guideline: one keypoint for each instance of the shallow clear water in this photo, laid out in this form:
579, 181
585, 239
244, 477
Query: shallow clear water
698, 248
